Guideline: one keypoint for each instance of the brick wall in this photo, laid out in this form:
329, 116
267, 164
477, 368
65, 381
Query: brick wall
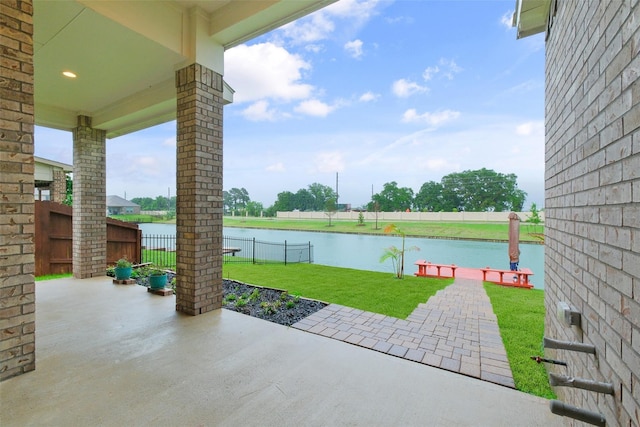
17, 288
59, 186
592, 255
199, 190
89, 201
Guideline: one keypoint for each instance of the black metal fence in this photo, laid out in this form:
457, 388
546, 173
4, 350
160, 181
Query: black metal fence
236, 249
160, 250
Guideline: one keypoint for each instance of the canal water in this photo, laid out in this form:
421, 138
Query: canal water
363, 252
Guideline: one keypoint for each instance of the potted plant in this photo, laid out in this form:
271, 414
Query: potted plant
123, 269
157, 279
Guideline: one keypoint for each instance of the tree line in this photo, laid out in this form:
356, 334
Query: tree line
482, 190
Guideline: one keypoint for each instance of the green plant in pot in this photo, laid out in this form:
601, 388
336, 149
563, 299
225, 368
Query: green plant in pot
157, 279
123, 269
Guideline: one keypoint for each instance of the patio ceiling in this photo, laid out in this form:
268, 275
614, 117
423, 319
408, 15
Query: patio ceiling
125, 54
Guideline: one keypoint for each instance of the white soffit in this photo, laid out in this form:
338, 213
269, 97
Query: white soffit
125, 54
531, 17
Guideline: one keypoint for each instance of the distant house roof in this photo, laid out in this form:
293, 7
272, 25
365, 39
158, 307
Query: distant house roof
65, 167
117, 201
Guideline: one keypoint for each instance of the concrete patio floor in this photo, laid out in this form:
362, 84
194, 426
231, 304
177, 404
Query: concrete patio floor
119, 356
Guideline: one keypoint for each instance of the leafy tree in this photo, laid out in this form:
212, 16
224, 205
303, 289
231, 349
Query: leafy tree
284, 202
483, 190
534, 219
254, 208
227, 201
303, 200
68, 199
321, 194
330, 209
239, 197
431, 198
145, 203
392, 198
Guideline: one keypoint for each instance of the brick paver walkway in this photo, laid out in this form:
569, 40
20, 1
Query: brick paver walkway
455, 330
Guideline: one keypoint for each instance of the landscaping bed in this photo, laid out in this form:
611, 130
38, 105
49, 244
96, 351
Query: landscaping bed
268, 304
265, 303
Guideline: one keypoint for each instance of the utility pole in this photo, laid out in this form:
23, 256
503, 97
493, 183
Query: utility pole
337, 188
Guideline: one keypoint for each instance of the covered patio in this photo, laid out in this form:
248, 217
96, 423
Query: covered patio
101, 69
114, 355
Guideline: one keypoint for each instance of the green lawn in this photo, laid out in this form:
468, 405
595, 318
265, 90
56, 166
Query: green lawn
53, 276
161, 259
520, 315
366, 290
456, 230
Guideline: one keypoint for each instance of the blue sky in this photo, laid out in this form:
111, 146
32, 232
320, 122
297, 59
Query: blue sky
376, 91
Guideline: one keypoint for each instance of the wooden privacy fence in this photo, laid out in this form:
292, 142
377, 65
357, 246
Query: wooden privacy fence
54, 239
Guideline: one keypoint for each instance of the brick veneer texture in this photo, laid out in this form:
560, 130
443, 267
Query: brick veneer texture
592, 253
89, 201
199, 190
17, 287
58, 187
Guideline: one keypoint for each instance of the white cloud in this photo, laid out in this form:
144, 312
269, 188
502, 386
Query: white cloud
259, 111
321, 25
169, 142
331, 161
354, 48
265, 70
449, 68
404, 88
315, 48
276, 167
507, 20
433, 119
368, 97
429, 73
533, 128
400, 20
314, 107
316, 27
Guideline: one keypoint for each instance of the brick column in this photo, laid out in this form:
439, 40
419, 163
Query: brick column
89, 201
199, 190
58, 188
17, 288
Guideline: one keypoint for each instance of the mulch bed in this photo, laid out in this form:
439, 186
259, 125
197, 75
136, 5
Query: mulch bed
264, 303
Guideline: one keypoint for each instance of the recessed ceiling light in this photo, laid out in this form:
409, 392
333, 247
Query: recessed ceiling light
69, 74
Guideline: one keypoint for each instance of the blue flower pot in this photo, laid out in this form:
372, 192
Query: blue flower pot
123, 273
158, 282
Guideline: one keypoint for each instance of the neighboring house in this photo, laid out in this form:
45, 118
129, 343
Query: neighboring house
592, 198
50, 179
116, 205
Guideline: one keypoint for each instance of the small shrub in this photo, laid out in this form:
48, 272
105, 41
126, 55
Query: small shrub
123, 262
255, 295
290, 304
284, 296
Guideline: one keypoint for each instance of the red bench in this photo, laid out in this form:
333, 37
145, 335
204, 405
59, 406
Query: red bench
423, 267
518, 278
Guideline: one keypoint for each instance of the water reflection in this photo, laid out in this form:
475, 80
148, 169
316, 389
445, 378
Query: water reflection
363, 252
